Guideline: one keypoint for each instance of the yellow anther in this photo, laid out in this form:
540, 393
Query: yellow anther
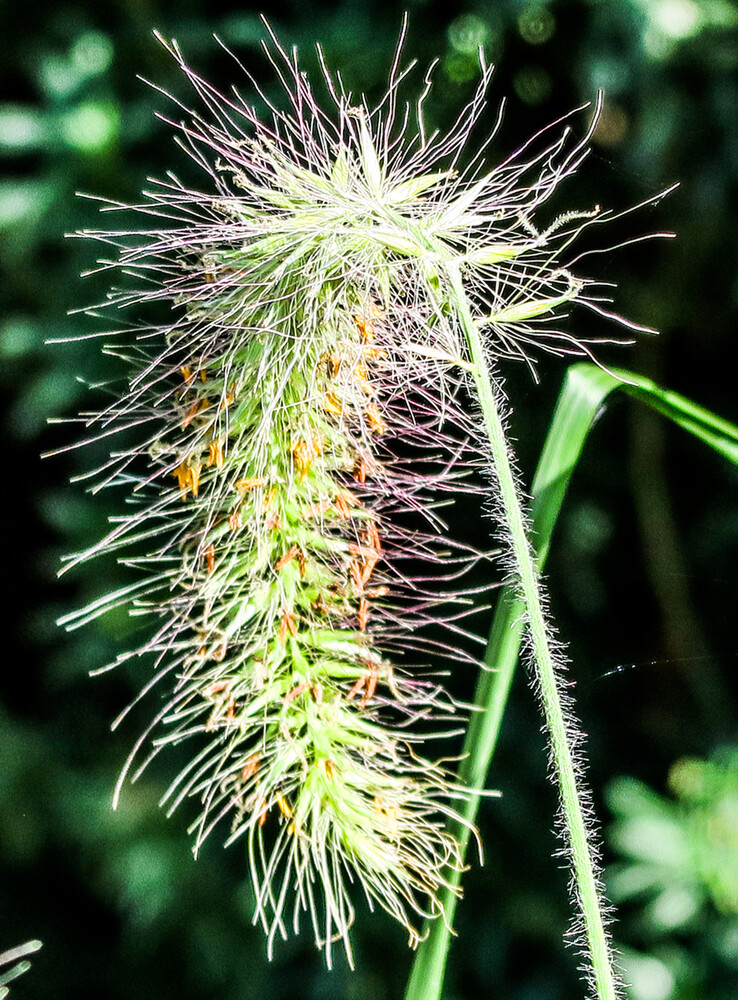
331, 404
284, 806
197, 407
195, 478
304, 451
215, 454
244, 486
188, 477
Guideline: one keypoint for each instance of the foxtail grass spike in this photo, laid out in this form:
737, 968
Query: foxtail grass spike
291, 422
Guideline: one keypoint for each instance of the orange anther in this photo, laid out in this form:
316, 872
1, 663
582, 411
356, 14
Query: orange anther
363, 565
296, 692
350, 499
365, 327
368, 682
374, 418
316, 509
363, 615
374, 352
331, 363
356, 688
268, 499
250, 768
357, 573
215, 454
197, 407
264, 812
186, 374
215, 688
362, 551
342, 507
372, 535
234, 519
289, 555
367, 570
362, 468
244, 486
229, 397
288, 625
182, 474
210, 557
360, 376
371, 687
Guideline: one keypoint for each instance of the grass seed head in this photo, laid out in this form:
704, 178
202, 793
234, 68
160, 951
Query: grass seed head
311, 345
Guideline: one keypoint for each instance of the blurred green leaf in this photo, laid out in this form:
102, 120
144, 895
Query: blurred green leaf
678, 867
22, 202
91, 126
18, 336
22, 129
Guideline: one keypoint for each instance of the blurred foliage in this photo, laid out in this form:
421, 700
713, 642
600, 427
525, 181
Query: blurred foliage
677, 882
641, 572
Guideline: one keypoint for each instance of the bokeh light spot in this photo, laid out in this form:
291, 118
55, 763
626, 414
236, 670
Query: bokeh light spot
92, 53
536, 25
467, 33
21, 128
90, 127
460, 68
677, 18
532, 84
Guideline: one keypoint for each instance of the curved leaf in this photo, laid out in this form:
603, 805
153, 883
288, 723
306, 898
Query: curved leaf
583, 395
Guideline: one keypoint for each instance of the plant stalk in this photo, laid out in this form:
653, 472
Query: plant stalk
493, 687
580, 848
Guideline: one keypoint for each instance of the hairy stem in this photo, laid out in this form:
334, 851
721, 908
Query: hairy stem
580, 848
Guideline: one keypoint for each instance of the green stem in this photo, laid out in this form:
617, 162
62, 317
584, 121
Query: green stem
560, 736
493, 686
430, 969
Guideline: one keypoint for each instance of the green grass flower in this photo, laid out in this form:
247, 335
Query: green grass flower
296, 364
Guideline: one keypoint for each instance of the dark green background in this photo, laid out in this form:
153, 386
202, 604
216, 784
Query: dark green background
642, 570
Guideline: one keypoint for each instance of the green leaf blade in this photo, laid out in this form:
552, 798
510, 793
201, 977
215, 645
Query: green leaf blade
582, 398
